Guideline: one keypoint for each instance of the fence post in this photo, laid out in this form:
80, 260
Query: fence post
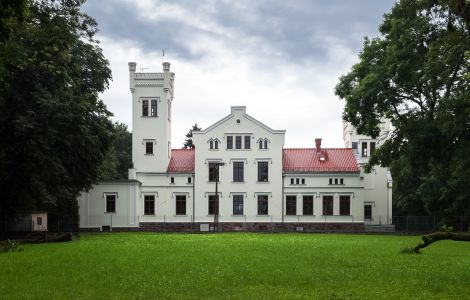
406, 224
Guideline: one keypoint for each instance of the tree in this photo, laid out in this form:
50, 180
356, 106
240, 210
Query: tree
118, 159
55, 130
414, 75
188, 142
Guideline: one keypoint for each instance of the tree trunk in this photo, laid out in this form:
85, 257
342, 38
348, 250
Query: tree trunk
437, 236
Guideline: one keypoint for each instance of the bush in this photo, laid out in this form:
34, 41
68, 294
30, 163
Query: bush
10, 246
446, 228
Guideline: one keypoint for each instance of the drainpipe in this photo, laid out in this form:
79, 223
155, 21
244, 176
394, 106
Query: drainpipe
194, 201
282, 197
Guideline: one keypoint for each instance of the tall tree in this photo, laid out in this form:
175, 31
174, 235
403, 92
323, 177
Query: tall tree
118, 159
414, 75
188, 142
55, 130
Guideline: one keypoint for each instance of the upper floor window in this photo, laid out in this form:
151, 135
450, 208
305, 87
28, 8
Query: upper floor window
148, 148
213, 172
364, 149
263, 143
153, 107
262, 171
229, 142
247, 141
238, 142
336, 181
238, 171
354, 145
214, 144
372, 147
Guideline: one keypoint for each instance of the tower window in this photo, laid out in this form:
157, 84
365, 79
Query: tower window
145, 108
148, 148
354, 145
153, 108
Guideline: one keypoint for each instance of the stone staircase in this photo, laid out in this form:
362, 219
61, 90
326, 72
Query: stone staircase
379, 228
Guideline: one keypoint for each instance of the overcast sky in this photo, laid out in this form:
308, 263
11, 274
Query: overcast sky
281, 59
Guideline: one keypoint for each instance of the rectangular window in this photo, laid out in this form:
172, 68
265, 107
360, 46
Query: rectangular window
330, 181
327, 205
372, 147
354, 145
213, 172
229, 142
110, 203
368, 212
181, 205
169, 111
262, 204
39, 221
364, 149
148, 147
303, 180
247, 142
211, 145
265, 144
189, 179
260, 144
145, 108
238, 172
213, 205
238, 142
307, 205
291, 205
237, 205
336, 180
341, 181
297, 181
216, 144
149, 205
153, 108
292, 181
172, 180
262, 171
344, 205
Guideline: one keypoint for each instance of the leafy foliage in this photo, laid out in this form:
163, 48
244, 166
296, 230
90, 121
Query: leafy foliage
118, 159
55, 130
415, 75
188, 142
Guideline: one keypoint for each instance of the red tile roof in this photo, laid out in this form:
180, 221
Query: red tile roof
307, 160
182, 161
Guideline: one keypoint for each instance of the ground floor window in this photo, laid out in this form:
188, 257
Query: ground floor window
291, 205
327, 205
149, 205
110, 203
213, 205
237, 205
262, 204
181, 205
307, 205
344, 205
368, 212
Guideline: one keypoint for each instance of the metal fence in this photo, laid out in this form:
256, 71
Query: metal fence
422, 224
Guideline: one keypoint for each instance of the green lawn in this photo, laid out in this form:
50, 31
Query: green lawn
236, 266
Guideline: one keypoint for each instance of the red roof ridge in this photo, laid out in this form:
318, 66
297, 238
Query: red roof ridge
182, 149
315, 148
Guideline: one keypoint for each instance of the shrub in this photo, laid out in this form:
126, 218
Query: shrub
10, 246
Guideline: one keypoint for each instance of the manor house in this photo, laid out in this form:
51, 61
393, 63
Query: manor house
239, 177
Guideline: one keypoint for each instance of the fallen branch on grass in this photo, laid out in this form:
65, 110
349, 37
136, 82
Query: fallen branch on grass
438, 236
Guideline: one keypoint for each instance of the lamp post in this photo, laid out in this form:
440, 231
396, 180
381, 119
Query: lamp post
216, 213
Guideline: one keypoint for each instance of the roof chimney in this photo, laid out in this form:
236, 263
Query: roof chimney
318, 144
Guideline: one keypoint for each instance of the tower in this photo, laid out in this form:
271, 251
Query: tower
152, 96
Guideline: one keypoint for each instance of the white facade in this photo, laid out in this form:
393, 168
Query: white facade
259, 181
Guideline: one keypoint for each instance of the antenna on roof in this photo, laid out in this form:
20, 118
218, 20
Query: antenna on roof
163, 55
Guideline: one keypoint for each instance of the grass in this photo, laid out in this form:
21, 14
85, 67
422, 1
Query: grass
236, 266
